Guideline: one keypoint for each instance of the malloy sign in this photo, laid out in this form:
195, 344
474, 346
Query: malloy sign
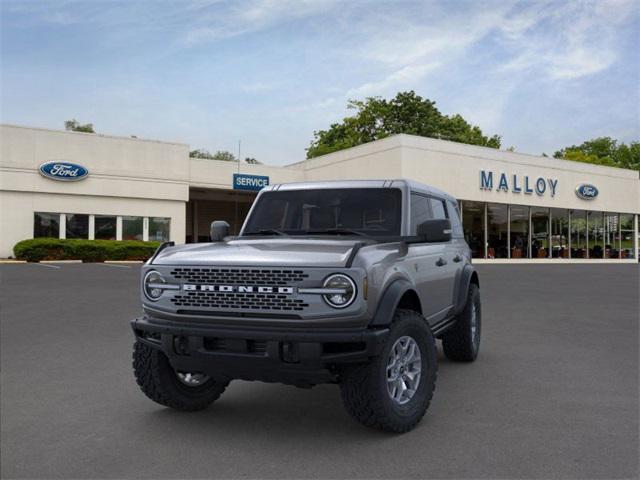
515, 183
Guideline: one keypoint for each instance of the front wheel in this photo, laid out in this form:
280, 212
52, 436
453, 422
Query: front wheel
393, 391
158, 380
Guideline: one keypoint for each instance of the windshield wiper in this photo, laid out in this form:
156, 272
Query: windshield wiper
267, 231
336, 231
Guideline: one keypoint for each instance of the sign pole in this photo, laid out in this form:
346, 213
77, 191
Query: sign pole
235, 223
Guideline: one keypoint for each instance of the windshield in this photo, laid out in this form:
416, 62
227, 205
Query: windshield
355, 211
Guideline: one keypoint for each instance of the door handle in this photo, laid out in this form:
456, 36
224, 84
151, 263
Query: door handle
457, 259
441, 262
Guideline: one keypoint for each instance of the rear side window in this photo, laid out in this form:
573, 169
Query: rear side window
438, 208
420, 211
456, 224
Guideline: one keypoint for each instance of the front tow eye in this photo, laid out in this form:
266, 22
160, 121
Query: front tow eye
181, 345
289, 352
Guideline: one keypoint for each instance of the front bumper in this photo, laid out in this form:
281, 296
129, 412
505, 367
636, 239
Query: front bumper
268, 354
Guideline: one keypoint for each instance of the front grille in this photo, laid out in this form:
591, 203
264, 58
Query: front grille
239, 301
243, 301
237, 276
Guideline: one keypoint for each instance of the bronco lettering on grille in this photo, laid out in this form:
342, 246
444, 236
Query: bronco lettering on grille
237, 289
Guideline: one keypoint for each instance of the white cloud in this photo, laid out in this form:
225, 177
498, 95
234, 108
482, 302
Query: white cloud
405, 77
564, 41
258, 87
245, 17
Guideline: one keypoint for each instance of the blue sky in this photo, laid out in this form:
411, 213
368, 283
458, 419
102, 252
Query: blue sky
542, 74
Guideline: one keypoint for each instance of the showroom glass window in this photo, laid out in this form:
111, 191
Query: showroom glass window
611, 235
559, 233
473, 225
626, 236
519, 231
539, 232
420, 211
578, 234
105, 227
46, 225
77, 226
159, 229
497, 227
595, 238
132, 228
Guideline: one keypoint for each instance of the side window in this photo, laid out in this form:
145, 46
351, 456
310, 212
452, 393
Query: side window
420, 211
439, 210
456, 224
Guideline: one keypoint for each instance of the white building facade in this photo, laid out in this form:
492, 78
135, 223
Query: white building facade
515, 207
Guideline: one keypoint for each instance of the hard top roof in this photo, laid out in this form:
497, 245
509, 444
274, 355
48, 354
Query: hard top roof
389, 183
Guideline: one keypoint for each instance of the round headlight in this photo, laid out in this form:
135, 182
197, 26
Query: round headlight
344, 290
152, 280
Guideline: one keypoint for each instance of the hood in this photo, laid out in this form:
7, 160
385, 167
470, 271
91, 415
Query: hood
261, 252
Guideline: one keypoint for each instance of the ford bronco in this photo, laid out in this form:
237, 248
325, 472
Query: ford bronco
345, 282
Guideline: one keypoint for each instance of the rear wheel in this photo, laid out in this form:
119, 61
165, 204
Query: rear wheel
462, 342
394, 390
188, 391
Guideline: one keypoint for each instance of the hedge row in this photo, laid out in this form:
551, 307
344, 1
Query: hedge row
37, 249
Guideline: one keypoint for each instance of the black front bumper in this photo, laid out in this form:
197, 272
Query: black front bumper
298, 357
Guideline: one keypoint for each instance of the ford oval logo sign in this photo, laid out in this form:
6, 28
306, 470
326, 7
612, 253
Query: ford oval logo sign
64, 171
586, 191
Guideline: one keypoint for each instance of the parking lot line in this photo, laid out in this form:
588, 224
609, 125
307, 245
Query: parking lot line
113, 265
47, 265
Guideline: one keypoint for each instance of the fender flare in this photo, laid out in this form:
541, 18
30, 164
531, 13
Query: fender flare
468, 273
389, 302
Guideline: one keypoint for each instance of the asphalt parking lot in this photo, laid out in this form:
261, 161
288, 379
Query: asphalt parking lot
554, 393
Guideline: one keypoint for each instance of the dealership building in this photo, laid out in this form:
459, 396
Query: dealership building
515, 207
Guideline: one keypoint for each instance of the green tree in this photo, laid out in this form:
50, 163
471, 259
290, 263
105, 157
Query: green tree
377, 118
225, 156
75, 126
201, 153
604, 151
219, 155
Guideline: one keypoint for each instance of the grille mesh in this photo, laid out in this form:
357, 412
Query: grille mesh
244, 301
237, 276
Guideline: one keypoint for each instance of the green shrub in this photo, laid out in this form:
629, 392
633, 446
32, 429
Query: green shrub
37, 249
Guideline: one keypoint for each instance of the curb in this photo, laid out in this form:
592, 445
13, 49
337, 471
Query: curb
9, 261
60, 261
124, 261
554, 261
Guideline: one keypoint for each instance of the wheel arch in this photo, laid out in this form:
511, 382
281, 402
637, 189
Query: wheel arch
399, 294
468, 276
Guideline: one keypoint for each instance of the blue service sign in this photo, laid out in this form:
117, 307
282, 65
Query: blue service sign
63, 171
254, 183
586, 191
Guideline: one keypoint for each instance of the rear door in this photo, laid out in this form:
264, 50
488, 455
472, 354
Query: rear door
450, 260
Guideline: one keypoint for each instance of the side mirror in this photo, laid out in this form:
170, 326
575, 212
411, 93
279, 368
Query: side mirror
436, 230
219, 230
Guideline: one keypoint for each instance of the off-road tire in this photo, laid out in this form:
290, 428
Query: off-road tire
158, 380
458, 343
364, 386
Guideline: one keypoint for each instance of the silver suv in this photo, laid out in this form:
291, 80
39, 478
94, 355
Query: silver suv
346, 282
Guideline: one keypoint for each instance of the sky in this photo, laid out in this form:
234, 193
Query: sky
542, 74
